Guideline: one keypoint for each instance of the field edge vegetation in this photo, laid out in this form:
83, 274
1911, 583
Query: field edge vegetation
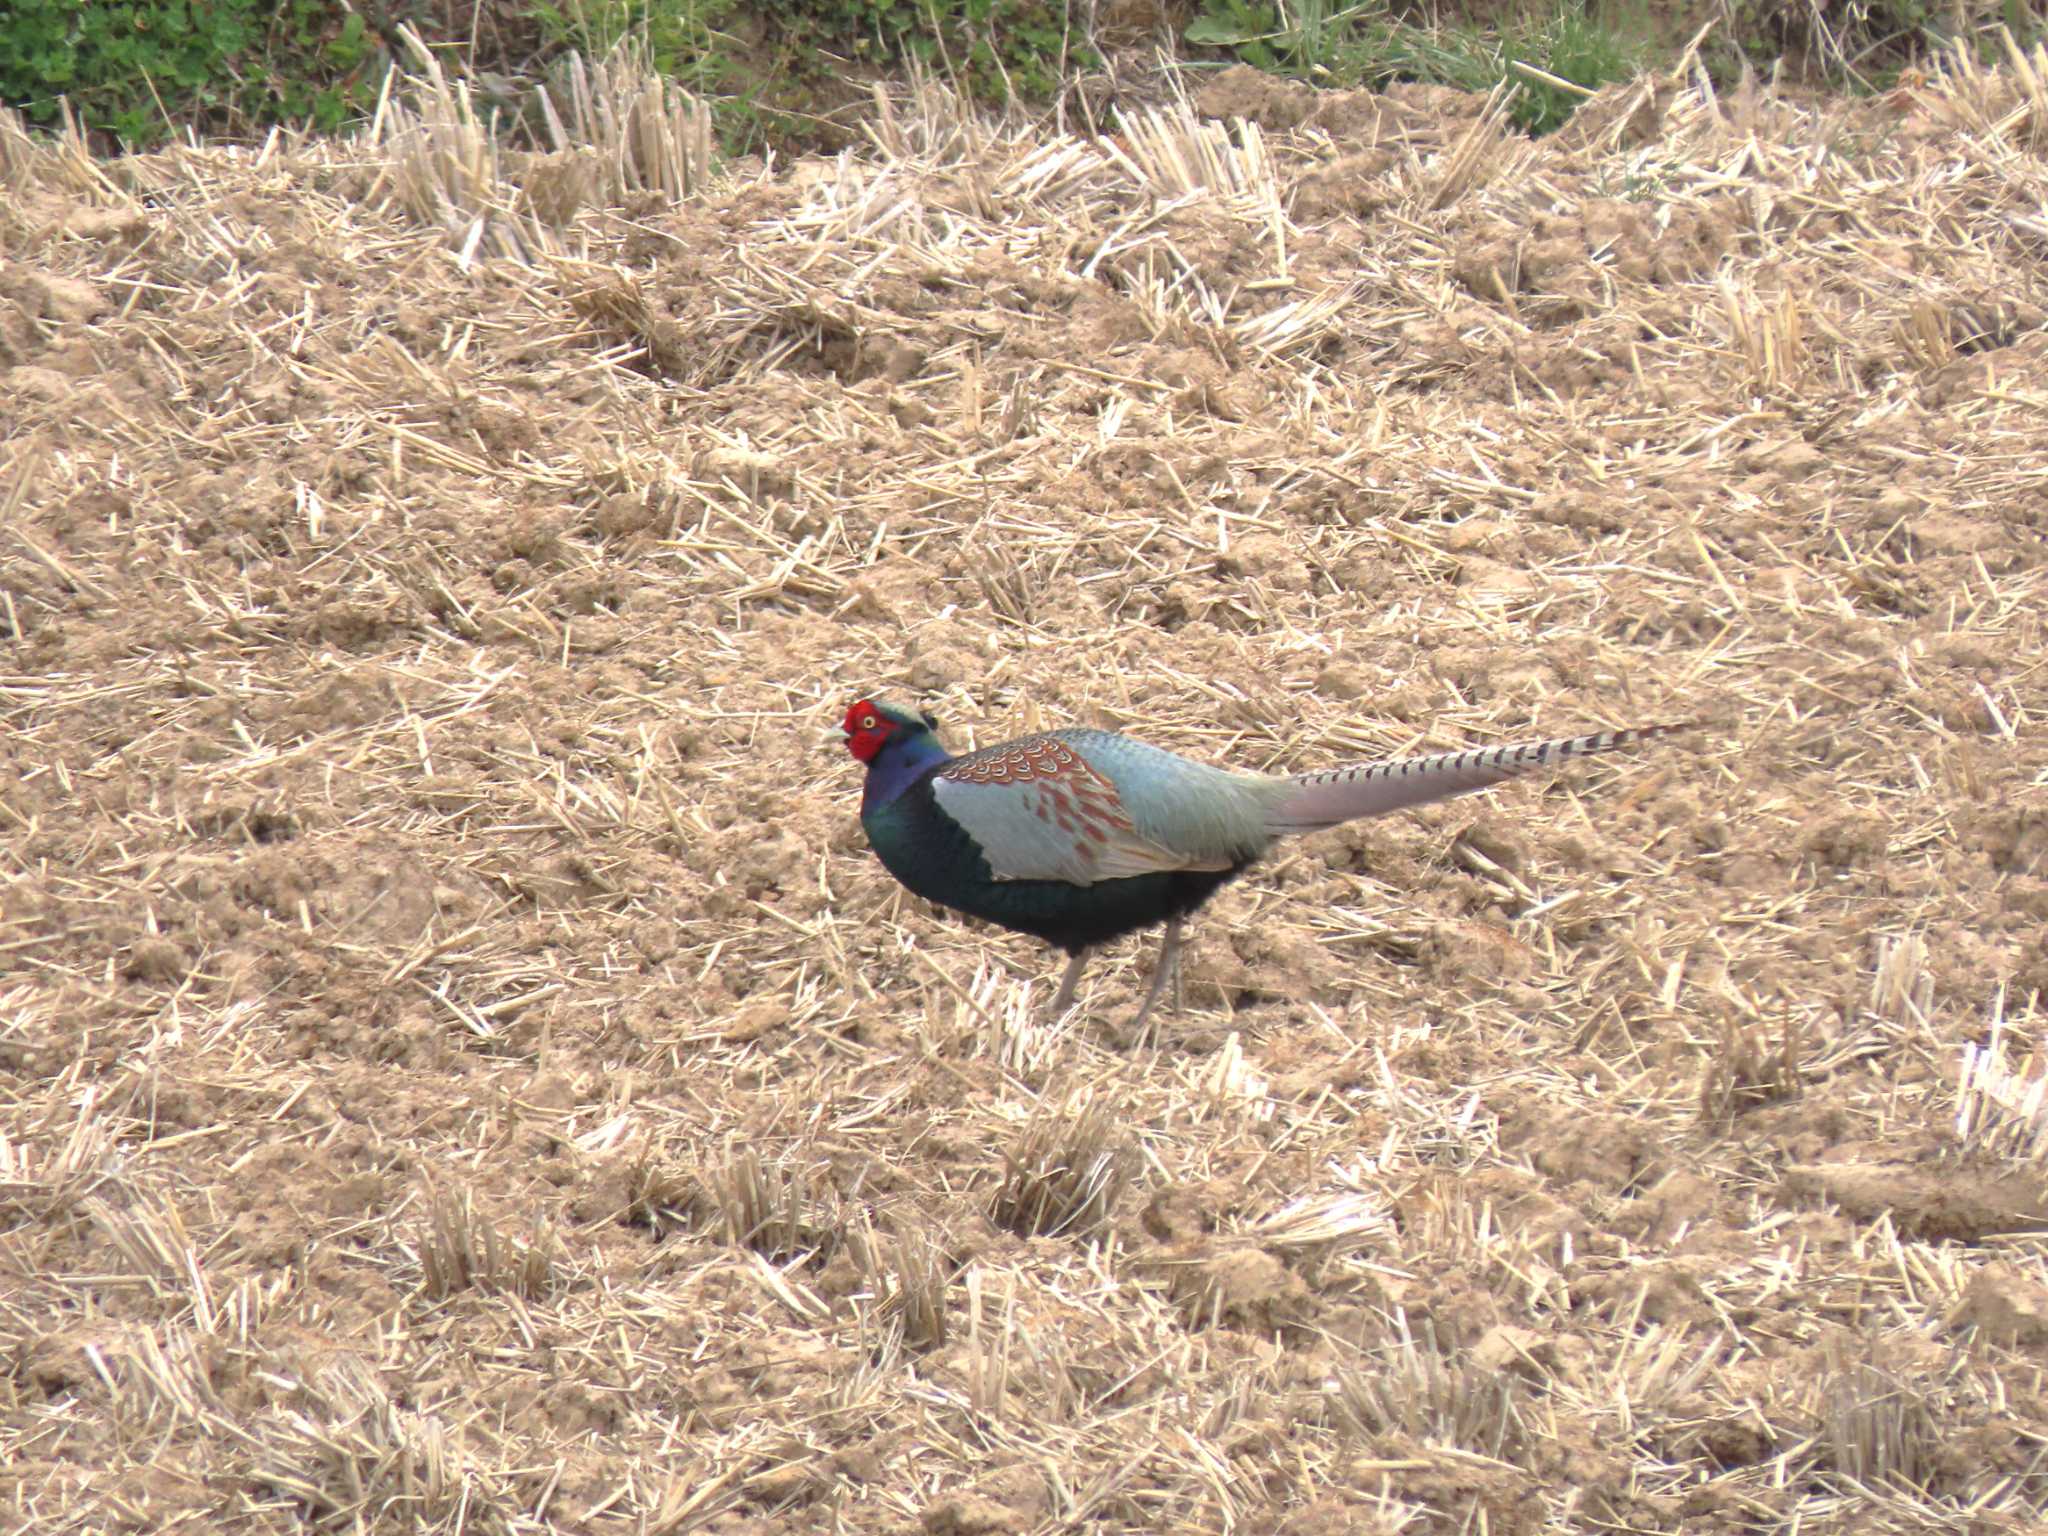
796, 76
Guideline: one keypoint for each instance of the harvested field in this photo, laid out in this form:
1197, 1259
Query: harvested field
461, 1070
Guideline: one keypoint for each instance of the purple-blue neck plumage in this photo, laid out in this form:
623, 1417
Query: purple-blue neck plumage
901, 763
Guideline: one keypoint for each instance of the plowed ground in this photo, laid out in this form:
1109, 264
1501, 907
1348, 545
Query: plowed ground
460, 1068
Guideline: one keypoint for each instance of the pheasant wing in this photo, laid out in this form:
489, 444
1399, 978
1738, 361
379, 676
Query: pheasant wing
1040, 810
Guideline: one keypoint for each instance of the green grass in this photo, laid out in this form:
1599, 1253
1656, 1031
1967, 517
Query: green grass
765, 67
1867, 45
134, 70
684, 39
1366, 45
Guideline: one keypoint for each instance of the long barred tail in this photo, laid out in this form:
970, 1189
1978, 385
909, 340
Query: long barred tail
1338, 795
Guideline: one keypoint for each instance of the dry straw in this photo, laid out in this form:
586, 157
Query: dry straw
460, 1069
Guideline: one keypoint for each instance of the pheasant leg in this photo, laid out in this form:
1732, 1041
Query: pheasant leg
1167, 969
1068, 983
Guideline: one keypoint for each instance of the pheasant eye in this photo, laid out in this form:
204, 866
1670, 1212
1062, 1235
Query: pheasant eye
867, 722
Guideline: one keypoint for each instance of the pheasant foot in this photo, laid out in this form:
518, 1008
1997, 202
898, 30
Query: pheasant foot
1068, 982
1166, 969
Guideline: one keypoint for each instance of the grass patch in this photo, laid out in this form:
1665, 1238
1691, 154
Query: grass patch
687, 40
1865, 45
772, 72
137, 70
1368, 45
133, 71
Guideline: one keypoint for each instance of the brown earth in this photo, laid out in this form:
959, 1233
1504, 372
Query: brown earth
461, 1069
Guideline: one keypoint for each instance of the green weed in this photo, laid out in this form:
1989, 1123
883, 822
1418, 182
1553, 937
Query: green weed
133, 69
1366, 45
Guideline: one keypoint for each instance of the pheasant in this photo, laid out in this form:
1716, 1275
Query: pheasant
1080, 837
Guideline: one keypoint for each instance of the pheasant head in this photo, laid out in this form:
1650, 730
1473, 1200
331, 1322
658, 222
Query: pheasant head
870, 727
898, 748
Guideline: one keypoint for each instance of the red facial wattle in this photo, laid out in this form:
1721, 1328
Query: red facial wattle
867, 729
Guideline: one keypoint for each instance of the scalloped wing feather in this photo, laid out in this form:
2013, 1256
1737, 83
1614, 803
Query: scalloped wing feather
1045, 808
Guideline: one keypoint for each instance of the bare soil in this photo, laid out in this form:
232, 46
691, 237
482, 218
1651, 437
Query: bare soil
460, 1068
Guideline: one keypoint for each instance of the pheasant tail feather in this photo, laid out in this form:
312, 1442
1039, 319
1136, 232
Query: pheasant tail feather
1338, 795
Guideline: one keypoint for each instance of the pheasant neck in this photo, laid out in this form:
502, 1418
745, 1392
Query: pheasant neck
899, 765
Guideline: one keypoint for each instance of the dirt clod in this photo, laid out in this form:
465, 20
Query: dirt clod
2005, 1305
